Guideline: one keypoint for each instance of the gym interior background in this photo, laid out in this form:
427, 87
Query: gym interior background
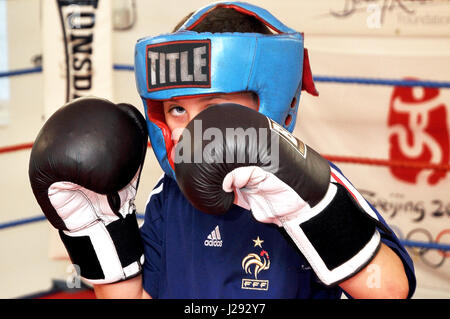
383, 114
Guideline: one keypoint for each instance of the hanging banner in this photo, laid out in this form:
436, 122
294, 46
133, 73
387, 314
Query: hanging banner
77, 61
77, 58
401, 125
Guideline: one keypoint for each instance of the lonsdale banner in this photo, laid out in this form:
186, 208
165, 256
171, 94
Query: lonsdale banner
77, 58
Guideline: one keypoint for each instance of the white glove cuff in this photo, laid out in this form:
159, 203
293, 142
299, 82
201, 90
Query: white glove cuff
337, 237
106, 253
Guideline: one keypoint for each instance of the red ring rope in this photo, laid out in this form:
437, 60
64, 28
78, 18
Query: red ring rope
332, 158
384, 162
18, 147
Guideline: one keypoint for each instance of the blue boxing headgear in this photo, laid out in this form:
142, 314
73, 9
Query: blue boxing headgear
187, 63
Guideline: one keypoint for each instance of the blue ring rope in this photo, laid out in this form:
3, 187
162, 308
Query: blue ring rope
388, 82
317, 78
20, 72
421, 244
123, 67
407, 243
24, 221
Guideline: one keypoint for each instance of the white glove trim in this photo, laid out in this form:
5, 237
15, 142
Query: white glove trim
134, 268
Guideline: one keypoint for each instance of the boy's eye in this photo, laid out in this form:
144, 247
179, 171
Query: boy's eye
177, 110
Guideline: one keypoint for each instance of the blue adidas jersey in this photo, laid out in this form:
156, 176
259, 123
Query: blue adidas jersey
190, 254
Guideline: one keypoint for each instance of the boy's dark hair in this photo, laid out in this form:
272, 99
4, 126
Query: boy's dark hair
222, 19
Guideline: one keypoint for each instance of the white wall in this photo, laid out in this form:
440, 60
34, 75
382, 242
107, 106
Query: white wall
25, 266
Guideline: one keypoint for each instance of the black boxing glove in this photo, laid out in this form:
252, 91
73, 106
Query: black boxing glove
84, 170
282, 181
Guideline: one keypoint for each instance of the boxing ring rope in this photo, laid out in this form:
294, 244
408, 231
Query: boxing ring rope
332, 158
388, 82
20, 72
383, 162
317, 78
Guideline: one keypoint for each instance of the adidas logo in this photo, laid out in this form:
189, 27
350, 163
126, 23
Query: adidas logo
214, 239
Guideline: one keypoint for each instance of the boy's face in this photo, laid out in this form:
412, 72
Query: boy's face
179, 112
